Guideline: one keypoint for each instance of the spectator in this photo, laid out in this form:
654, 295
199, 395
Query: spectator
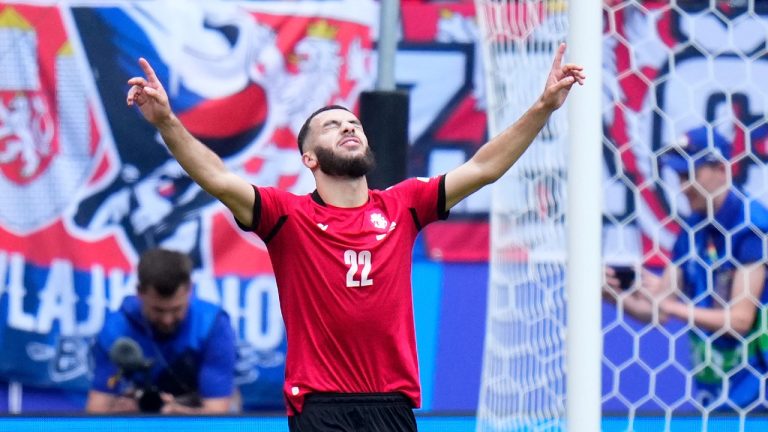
716, 278
189, 346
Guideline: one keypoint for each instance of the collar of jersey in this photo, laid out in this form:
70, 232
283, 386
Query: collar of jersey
319, 200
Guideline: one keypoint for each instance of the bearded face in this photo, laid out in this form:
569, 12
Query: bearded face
351, 166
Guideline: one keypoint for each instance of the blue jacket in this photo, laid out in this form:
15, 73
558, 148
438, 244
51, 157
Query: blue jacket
199, 358
736, 236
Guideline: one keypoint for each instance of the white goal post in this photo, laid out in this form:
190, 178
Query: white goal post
684, 76
524, 377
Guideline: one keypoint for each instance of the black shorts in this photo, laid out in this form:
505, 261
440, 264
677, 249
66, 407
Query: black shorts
354, 412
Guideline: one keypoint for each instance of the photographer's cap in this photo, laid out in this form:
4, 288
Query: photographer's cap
702, 145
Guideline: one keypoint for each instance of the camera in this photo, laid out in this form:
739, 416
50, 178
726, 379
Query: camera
128, 356
625, 275
149, 400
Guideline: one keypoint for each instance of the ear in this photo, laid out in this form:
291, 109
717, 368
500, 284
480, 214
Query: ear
309, 160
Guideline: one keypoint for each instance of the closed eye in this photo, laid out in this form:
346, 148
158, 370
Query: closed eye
331, 124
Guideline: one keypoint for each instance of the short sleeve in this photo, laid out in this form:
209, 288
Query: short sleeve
268, 209
425, 198
751, 247
217, 368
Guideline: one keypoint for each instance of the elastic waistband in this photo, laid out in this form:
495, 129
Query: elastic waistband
357, 398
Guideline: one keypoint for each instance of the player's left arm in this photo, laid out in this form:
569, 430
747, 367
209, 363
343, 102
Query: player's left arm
496, 156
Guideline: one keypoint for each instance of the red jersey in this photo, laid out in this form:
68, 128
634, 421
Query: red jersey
344, 280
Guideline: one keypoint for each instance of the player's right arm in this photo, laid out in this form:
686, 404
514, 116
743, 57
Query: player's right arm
497, 156
203, 165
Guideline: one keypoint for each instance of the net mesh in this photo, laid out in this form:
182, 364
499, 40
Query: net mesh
669, 69
523, 364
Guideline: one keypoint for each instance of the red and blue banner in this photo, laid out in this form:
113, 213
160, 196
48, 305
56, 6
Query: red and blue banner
87, 184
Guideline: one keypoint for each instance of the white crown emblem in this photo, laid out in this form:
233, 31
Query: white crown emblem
378, 220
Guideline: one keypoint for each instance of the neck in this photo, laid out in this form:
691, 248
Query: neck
342, 192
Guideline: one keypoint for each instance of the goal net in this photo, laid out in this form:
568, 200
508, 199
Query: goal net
674, 73
523, 380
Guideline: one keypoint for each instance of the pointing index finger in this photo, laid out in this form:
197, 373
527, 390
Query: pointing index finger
559, 56
148, 71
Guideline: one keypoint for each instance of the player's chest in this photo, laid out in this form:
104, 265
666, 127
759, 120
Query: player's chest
373, 222
370, 225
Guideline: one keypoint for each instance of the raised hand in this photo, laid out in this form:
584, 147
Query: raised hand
560, 80
149, 95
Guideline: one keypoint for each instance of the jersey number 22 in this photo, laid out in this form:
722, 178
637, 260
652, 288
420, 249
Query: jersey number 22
358, 260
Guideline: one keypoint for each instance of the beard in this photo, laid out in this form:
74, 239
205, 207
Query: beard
338, 166
163, 332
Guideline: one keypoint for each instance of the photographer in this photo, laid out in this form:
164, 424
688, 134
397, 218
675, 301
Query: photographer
716, 278
188, 343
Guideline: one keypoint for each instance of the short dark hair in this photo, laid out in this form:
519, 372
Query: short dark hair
164, 271
304, 131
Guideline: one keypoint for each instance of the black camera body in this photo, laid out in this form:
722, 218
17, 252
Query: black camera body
626, 276
128, 356
149, 400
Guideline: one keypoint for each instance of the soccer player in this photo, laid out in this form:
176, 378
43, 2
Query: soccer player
342, 254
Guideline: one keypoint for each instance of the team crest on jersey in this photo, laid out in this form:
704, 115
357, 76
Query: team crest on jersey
379, 221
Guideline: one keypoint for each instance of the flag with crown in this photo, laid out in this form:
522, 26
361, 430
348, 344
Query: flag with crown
48, 128
86, 184
52, 144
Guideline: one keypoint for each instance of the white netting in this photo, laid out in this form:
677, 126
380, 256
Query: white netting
686, 77
686, 69
523, 365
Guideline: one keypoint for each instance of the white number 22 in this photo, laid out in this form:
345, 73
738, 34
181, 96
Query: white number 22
353, 260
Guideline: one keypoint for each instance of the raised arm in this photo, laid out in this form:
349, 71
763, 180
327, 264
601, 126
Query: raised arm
203, 165
496, 156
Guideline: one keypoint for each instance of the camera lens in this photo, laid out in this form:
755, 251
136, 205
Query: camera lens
150, 401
